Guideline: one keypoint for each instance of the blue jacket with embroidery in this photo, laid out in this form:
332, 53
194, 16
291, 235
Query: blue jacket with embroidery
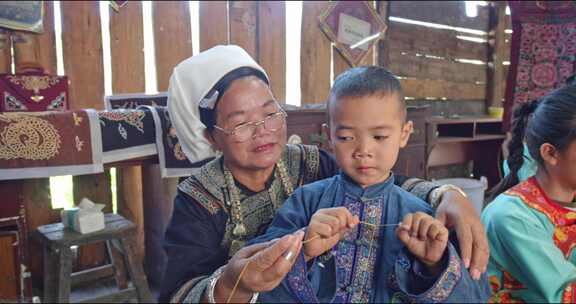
361, 267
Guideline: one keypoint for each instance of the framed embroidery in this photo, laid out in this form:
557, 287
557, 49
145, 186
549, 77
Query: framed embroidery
353, 27
33, 91
22, 15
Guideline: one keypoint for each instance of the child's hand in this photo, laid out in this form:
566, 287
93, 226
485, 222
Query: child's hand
425, 237
326, 228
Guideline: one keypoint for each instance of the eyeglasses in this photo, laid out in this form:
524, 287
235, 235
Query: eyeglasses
272, 122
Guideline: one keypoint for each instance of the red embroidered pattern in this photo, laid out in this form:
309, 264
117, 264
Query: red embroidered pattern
564, 221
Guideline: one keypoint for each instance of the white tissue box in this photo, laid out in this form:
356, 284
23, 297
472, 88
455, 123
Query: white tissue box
86, 218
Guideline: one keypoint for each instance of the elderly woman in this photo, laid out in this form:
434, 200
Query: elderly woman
221, 99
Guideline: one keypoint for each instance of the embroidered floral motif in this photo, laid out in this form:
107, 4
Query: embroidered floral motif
79, 143
178, 153
355, 258
132, 118
77, 119
298, 282
34, 82
13, 104
58, 103
445, 284
122, 132
28, 137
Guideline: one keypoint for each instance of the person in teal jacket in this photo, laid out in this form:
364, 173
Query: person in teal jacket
531, 224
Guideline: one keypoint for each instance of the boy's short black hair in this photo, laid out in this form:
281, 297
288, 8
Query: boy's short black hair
365, 81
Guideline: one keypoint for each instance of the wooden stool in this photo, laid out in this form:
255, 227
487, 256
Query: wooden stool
58, 276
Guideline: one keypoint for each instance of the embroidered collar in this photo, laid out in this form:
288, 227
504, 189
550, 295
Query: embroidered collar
236, 205
374, 191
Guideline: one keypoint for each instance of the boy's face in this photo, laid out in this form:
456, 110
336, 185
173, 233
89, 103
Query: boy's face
366, 134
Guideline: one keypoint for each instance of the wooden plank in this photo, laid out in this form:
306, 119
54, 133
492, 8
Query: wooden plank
315, 55
244, 25
272, 44
5, 53
38, 48
172, 37
83, 64
127, 56
213, 23
496, 84
431, 68
38, 206
8, 267
384, 43
414, 39
82, 52
424, 88
340, 64
171, 19
451, 13
41, 50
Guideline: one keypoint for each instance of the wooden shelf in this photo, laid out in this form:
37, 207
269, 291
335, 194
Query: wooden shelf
449, 139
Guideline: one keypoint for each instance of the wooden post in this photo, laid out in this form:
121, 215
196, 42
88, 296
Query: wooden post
213, 23
244, 25
127, 44
315, 55
172, 38
383, 44
497, 50
5, 51
82, 51
41, 50
272, 44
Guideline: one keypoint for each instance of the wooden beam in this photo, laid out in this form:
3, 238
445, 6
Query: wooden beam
172, 37
384, 44
272, 44
423, 88
497, 50
5, 51
127, 56
244, 25
451, 13
213, 23
414, 39
83, 64
315, 55
40, 50
432, 68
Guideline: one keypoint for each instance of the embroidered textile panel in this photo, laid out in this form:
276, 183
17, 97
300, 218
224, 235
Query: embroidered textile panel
173, 161
33, 92
49, 143
543, 50
133, 101
127, 134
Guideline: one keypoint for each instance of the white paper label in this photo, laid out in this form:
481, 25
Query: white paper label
352, 30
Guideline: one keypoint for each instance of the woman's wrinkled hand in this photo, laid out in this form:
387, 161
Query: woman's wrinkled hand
456, 211
268, 265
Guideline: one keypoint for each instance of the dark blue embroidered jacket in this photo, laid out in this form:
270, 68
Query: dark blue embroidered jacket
363, 268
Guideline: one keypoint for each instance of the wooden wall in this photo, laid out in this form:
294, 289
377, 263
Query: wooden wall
427, 59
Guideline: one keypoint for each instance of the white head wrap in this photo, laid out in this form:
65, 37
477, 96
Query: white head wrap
191, 80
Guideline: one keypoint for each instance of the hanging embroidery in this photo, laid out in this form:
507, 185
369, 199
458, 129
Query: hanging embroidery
35, 84
30, 138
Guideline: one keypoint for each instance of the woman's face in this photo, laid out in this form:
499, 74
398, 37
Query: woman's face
248, 100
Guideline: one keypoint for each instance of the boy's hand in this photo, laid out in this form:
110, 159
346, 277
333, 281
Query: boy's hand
326, 228
425, 237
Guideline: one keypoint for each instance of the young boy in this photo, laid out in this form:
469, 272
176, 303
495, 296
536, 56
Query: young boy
354, 249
